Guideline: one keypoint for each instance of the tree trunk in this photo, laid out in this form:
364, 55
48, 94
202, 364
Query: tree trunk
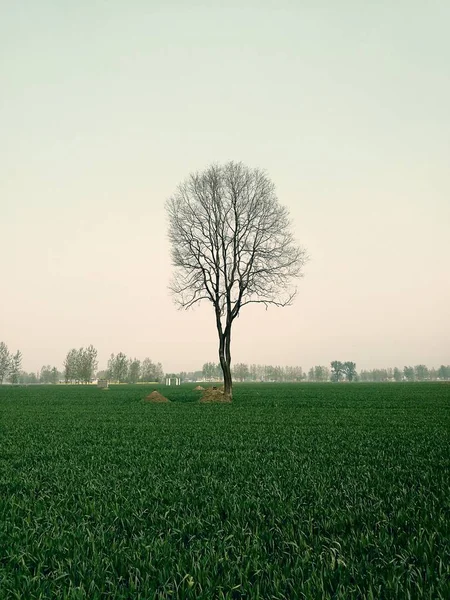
228, 383
225, 362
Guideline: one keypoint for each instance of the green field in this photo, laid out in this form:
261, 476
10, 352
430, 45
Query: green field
293, 491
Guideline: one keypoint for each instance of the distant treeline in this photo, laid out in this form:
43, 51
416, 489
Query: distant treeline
417, 373
10, 364
131, 370
337, 371
80, 366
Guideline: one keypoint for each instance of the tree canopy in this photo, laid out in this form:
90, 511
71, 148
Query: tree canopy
232, 245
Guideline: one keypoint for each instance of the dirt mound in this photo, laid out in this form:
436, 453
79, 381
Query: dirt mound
215, 395
156, 397
199, 388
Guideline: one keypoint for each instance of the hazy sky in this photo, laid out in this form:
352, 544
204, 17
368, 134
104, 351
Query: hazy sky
106, 105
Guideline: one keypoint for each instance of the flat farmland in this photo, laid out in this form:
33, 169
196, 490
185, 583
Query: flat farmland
292, 491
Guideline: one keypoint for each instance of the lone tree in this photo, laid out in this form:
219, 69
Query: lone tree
231, 245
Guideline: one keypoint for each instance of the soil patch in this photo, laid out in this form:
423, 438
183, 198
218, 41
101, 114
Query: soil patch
199, 388
156, 397
214, 395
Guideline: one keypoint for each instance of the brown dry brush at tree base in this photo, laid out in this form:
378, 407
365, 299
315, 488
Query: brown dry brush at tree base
231, 245
215, 395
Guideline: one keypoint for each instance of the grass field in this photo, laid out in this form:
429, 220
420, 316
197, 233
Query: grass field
293, 491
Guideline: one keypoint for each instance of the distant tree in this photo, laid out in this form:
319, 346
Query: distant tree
381, 375
45, 375
159, 372
376, 375
241, 371
387, 374
253, 372
151, 371
110, 367
421, 372
15, 366
27, 378
231, 246
86, 364
444, 372
311, 374
147, 370
196, 375
398, 375
183, 375
206, 370
260, 372
293, 373
270, 373
80, 365
349, 370
432, 374
5, 361
54, 376
279, 373
71, 367
409, 373
337, 370
118, 366
321, 373
367, 375
211, 370
364, 375
134, 370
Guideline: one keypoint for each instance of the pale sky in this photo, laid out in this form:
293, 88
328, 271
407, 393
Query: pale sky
105, 106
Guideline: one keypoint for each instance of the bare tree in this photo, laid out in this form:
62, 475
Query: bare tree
231, 245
